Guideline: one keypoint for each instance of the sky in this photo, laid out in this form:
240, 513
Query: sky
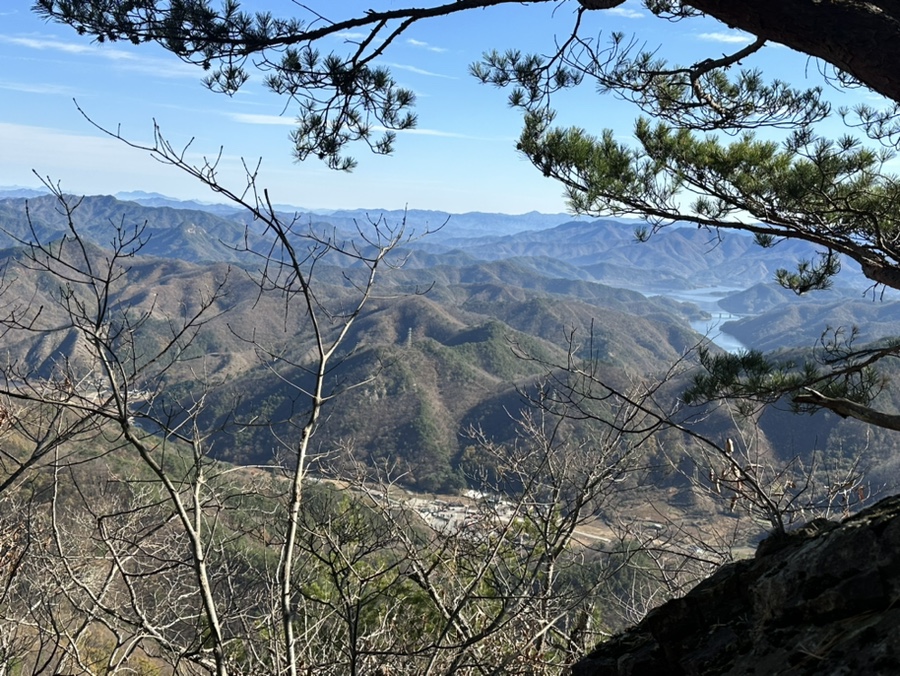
461, 157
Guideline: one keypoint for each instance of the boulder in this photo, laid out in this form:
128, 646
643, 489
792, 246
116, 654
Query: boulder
823, 599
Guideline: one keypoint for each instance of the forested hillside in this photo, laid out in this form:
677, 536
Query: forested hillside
248, 438
446, 347
159, 351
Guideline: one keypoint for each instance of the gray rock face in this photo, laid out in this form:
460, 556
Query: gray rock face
822, 600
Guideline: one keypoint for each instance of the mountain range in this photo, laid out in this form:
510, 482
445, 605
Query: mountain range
440, 349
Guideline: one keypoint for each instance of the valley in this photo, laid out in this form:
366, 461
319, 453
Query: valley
502, 407
471, 299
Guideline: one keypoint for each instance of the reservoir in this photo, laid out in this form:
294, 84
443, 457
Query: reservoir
708, 301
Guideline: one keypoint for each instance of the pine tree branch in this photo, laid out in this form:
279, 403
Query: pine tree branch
849, 409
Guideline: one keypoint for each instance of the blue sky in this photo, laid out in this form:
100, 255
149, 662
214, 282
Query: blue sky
461, 158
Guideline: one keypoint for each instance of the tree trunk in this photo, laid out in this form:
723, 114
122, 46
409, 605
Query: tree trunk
861, 38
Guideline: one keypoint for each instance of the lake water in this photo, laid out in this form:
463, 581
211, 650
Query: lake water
708, 300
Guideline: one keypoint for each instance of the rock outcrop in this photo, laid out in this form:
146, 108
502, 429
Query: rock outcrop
823, 600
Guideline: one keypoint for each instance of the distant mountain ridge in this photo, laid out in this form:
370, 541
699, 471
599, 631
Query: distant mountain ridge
445, 359
501, 247
13, 191
602, 250
418, 219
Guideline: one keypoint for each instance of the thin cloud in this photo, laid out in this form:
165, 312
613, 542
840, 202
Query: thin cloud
256, 118
349, 35
730, 38
36, 88
436, 133
433, 132
55, 45
50, 149
626, 13
419, 71
165, 68
278, 120
425, 45
92, 164
123, 60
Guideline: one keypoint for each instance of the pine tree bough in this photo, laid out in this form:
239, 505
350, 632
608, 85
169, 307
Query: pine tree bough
882, 274
848, 409
860, 38
600, 4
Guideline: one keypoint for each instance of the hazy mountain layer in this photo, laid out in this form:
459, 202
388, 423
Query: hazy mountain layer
440, 350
